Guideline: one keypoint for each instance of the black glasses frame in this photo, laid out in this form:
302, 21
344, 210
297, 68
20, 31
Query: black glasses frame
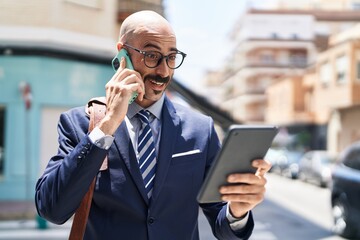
145, 53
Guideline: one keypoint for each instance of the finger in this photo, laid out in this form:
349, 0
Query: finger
122, 64
141, 91
242, 189
261, 163
125, 77
262, 166
252, 199
139, 88
134, 77
248, 178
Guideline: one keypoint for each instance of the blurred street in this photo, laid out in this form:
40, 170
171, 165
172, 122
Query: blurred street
28, 230
292, 210
285, 63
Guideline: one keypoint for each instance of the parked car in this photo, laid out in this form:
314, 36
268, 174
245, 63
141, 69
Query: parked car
290, 168
284, 162
315, 167
277, 158
345, 193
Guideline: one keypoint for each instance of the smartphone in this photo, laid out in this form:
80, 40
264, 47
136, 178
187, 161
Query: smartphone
116, 64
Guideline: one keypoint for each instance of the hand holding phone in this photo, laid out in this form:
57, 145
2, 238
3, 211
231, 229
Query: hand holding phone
116, 64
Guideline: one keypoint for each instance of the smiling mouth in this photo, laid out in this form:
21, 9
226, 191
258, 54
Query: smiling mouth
157, 83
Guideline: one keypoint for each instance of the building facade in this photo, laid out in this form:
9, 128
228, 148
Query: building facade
54, 55
327, 96
268, 48
273, 73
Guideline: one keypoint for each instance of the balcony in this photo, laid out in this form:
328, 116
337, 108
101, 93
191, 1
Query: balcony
127, 7
292, 62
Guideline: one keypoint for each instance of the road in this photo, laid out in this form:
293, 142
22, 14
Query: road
292, 210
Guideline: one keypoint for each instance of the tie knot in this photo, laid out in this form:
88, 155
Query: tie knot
144, 116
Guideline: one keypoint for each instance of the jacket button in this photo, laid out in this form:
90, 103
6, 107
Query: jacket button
151, 220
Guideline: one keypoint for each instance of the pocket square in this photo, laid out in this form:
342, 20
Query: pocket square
186, 153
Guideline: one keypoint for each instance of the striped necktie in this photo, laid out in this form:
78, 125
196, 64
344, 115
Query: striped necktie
146, 151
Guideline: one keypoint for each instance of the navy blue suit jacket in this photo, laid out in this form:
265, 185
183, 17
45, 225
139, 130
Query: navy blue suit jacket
120, 208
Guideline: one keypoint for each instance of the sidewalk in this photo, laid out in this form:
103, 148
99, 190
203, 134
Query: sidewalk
16, 210
28, 230
18, 221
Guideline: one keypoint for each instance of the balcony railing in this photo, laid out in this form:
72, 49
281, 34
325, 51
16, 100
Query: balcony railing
292, 63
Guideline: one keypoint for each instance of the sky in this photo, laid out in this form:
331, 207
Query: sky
203, 28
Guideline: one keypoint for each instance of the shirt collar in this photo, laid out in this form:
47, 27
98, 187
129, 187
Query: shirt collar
155, 109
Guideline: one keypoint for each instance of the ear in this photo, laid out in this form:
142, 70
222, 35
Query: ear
119, 46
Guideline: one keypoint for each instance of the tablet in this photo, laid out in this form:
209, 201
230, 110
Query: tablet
241, 145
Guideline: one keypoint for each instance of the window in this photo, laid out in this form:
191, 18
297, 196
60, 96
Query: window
274, 36
325, 74
357, 66
341, 69
2, 139
352, 159
355, 6
298, 59
294, 36
267, 57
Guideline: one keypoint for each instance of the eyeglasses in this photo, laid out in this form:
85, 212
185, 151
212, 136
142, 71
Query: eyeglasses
152, 59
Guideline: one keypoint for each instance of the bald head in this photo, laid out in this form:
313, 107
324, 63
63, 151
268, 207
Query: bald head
144, 22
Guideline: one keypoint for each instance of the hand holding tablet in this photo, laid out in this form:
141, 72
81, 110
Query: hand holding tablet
242, 145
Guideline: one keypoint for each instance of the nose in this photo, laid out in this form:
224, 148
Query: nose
162, 69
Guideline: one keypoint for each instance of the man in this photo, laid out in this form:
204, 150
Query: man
160, 201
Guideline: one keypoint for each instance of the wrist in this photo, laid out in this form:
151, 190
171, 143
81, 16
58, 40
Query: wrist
237, 214
107, 126
100, 139
236, 224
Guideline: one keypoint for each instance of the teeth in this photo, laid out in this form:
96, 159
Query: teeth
157, 83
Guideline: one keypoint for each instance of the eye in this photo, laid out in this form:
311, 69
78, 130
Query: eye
152, 56
172, 57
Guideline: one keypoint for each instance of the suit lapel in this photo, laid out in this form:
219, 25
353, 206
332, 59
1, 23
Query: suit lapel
127, 153
169, 133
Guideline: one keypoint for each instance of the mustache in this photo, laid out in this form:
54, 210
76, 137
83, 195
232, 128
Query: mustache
157, 78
